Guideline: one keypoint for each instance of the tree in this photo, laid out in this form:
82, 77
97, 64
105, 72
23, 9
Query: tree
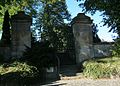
8, 2
29, 6
109, 8
96, 38
50, 22
6, 37
3, 2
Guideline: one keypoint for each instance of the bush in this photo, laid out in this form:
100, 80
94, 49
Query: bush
18, 72
2, 58
116, 48
102, 68
16, 66
40, 55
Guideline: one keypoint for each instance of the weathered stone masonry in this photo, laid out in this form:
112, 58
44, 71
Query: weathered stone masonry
84, 46
82, 31
21, 34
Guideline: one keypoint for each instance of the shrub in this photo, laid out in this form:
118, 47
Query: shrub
40, 55
116, 48
102, 68
18, 72
2, 58
25, 69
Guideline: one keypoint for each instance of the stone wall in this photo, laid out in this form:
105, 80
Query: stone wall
102, 50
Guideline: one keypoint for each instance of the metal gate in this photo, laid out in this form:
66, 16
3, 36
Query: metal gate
67, 55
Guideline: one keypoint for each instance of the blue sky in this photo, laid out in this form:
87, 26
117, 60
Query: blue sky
103, 33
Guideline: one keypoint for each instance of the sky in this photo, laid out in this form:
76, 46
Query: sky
103, 33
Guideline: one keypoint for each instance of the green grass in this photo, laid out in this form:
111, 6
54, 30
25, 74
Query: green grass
102, 68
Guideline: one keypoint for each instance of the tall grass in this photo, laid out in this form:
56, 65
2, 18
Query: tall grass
102, 68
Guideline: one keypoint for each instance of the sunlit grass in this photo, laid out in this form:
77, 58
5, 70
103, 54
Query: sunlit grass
17, 67
102, 68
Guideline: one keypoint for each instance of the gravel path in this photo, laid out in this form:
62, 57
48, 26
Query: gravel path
86, 82
70, 77
90, 82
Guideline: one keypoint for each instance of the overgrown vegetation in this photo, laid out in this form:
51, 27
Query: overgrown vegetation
116, 48
16, 66
50, 23
102, 68
6, 36
18, 72
40, 55
31, 67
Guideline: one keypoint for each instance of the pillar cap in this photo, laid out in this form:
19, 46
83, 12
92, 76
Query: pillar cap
21, 16
81, 18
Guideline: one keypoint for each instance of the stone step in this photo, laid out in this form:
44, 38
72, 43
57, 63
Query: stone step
68, 70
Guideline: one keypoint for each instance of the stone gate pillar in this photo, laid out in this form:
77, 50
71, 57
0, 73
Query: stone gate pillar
82, 31
21, 34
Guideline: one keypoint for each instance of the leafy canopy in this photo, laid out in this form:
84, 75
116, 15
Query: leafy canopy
50, 22
29, 6
110, 11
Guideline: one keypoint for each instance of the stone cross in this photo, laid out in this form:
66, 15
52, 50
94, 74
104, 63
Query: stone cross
82, 31
21, 34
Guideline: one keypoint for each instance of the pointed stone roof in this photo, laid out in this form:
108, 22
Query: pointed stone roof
21, 16
81, 18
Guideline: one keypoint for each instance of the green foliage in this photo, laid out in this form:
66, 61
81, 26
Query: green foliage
110, 11
6, 36
2, 58
41, 55
102, 68
25, 69
29, 6
116, 48
19, 73
50, 22
96, 38
4, 2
